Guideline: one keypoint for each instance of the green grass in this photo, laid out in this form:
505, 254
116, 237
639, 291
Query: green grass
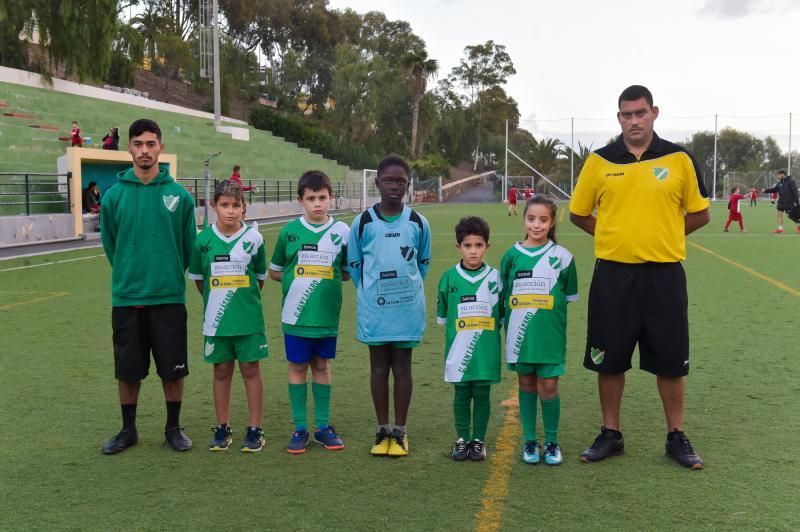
59, 405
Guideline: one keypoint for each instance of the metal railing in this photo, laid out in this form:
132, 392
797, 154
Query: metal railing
26, 193
268, 190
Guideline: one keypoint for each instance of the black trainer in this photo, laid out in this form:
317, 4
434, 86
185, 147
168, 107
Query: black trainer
477, 450
177, 439
680, 449
460, 450
608, 443
121, 441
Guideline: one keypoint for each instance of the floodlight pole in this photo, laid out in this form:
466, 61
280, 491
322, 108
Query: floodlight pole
364, 189
217, 84
207, 183
714, 188
571, 155
504, 185
789, 164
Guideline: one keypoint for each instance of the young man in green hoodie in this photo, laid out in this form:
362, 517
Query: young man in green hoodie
148, 230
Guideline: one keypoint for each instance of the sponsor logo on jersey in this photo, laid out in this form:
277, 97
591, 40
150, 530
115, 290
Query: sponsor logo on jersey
555, 262
524, 274
336, 239
171, 202
596, 355
469, 299
408, 252
381, 301
389, 275
392, 235
309, 247
661, 173
222, 258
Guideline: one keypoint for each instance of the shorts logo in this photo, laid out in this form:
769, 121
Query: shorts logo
597, 355
170, 202
179, 366
661, 173
555, 262
262, 347
685, 363
209, 349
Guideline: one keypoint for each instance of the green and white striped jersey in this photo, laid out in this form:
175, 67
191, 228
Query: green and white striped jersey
539, 282
470, 305
231, 268
312, 259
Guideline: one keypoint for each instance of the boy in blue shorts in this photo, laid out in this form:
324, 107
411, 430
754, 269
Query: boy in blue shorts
310, 261
229, 265
389, 252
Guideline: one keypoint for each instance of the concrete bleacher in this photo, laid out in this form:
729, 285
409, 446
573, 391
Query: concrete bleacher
29, 144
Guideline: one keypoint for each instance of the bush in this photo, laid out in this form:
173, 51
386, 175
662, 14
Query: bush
432, 165
306, 135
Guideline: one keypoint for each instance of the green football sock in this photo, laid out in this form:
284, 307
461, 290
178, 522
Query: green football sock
482, 408
527, 413
551, 412
322, 403
461, 410
297, 400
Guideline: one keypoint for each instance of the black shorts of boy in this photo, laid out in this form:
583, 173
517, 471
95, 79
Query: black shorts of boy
644, 304
140, 330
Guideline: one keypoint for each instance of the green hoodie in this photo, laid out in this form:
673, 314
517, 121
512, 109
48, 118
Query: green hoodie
148, 232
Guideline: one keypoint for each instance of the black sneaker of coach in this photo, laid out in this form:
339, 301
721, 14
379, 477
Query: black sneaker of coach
177, 439
121, 441
608, 443
679, 448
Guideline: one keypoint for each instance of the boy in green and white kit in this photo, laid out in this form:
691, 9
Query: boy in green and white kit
310, 261
470, 305
229, 265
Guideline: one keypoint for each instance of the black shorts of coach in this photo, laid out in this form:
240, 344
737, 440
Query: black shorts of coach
140, 330
644, 304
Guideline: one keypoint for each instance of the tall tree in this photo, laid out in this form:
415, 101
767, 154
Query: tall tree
483, 66
420, 69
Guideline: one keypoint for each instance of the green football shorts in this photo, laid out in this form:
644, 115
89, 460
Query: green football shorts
245, 348
543, 371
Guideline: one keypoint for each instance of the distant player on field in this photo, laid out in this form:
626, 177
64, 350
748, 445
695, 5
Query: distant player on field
539, 279
787, 197
389, 253
148, 230
647, 194
229, 265
469, 304
310, 261
512, 199
753, 196
528, 192
735, 209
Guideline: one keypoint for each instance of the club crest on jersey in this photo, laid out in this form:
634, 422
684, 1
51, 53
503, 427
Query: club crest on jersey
661, 173
336, 239
408, 252
493, 289
597, 356
248, 247
171, 202
555, 262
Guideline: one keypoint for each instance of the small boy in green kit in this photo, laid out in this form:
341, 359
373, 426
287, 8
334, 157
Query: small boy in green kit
229, 265
470, 305
310, 262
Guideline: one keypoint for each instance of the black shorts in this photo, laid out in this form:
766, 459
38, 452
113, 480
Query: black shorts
644, 304
138, 330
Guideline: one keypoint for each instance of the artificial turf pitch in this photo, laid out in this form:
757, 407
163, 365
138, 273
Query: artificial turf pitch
59, 404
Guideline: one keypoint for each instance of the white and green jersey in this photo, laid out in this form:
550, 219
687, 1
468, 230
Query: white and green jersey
230, 267
312, 259
539, 282
470, 305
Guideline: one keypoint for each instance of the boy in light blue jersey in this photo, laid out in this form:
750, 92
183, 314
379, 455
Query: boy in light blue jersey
389, 251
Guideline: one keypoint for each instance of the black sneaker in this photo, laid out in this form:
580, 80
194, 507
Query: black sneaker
460, 450
177, 439
121, 441
680, 449
608, 443
477, 450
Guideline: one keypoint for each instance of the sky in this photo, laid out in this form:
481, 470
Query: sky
733, 58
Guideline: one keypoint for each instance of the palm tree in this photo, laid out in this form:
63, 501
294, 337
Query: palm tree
421, 69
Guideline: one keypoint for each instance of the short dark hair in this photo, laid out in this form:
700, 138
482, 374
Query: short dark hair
734, 189
144, 125
228, 188
314, 180
393, 160
635, 92
472, 225
237, 168
782, 172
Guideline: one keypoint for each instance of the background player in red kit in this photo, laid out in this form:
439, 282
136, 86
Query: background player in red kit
735, 209
512, 199
753, 196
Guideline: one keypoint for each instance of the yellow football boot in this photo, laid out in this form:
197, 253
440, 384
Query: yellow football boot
381, 447
399, 444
